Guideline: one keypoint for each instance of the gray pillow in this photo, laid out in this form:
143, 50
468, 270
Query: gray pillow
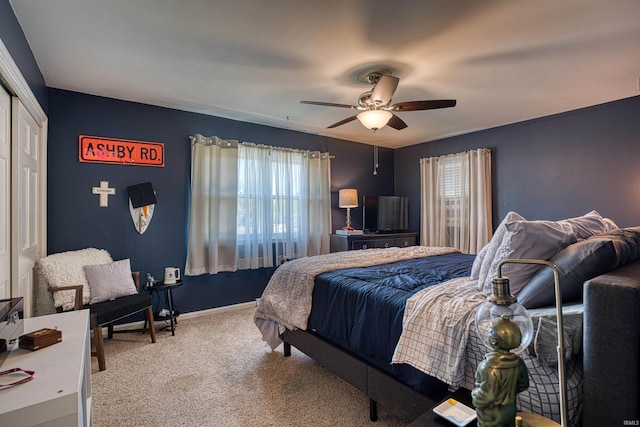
528, 240
110, 281
576, 263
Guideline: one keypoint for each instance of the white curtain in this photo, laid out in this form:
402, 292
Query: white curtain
253, 206
319, 203
283, 205
211, 245
456, 200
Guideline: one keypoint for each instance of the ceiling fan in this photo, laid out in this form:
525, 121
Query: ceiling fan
374, 107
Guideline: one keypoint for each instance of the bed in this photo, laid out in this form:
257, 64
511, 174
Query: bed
351, 311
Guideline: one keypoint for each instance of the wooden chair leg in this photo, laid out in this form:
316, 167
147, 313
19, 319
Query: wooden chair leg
99, 342
152, 328
110, 330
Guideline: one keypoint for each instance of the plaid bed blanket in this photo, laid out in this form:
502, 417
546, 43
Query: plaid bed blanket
436, 329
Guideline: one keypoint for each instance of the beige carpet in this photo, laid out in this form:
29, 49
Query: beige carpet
217, 371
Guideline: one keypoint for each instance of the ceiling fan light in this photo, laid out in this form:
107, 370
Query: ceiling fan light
374, 119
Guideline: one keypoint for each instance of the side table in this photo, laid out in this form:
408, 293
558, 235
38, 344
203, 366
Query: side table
168, 292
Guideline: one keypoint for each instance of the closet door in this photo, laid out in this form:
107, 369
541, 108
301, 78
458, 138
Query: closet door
5, 194
27, 202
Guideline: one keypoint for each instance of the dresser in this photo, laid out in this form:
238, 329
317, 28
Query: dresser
60, 393
340, 242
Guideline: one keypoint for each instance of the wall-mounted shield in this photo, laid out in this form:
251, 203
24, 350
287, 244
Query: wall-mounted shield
141, 216
142, 202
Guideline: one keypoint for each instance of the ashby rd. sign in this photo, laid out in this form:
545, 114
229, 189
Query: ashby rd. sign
97, 149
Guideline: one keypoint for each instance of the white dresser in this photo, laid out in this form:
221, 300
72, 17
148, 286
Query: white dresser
60, 393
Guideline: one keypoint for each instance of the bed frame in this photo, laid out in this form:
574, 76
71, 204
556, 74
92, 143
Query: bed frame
611, 344
377, 385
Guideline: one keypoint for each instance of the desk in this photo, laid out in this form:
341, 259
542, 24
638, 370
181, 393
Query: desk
60, 393
168, 291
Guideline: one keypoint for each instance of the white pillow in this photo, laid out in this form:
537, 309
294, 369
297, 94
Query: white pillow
587, 225
528, 240
492, 248
110, 281
66, 269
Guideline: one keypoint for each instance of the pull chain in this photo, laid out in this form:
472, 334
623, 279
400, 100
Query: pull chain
375, 160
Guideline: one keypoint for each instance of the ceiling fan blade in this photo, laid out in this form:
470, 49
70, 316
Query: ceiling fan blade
384, 90
422, 105
341, 122
396, 123
328, 104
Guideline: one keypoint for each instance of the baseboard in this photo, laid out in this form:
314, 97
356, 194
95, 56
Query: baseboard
193, 314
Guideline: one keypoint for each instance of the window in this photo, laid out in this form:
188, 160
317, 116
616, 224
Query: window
280, 206
456, 200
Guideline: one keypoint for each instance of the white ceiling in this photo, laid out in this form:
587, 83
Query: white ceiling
504, 61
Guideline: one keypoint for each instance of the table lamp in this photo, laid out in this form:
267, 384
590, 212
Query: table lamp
502, 307
348, 198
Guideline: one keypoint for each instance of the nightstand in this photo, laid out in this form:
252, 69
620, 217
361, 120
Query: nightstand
168, 292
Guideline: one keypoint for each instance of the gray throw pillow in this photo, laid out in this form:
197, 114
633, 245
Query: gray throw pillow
110, 281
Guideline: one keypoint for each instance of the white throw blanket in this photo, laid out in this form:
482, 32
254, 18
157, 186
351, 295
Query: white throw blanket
286, 301
436, 328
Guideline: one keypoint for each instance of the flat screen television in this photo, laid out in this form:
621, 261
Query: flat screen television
385, 214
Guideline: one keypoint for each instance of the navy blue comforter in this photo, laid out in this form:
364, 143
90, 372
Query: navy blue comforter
361, 309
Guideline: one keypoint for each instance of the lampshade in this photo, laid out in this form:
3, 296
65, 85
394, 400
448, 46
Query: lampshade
374, 119
348, 198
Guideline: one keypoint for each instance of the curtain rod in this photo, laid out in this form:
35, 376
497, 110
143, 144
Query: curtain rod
234, 144
474, 152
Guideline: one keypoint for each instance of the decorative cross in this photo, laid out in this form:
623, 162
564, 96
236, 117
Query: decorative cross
104, 191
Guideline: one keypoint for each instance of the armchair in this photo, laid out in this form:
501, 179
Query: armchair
114, 292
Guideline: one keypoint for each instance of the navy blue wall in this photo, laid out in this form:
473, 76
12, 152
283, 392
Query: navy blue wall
551, 168
13, 39
75, 219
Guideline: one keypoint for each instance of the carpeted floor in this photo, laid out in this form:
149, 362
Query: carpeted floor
217, 371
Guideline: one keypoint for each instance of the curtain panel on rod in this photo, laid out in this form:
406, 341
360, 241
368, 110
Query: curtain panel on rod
455, 202
212, 241
281, 206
